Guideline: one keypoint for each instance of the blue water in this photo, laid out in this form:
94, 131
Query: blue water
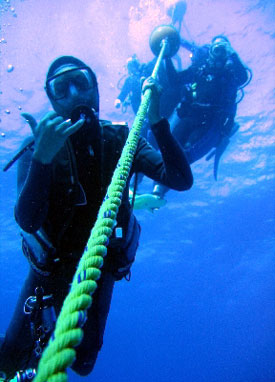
200, 304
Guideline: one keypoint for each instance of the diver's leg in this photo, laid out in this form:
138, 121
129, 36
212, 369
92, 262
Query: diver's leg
94, 327
160, 190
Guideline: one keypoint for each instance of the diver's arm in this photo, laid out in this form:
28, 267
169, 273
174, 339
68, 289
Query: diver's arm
172, 74
235, 67
169, 166
34, 173
177, 78
126, 89
191, 46
33, 184
176, 172
240, 71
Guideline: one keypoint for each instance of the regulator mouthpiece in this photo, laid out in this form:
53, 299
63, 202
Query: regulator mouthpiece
83, 112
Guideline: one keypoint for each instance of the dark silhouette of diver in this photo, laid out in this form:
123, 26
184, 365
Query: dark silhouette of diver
209, 90
62, 180
130, 91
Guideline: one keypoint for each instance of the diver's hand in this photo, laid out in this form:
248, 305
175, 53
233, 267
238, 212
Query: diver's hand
50, 134
230, 60
153, 110
229, 49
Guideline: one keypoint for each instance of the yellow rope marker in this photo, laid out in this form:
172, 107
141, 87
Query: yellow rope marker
60, 352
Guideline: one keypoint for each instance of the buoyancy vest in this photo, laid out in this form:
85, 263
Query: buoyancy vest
54, 241
67, 193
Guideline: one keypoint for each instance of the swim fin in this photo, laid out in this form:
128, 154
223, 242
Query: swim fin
220, 149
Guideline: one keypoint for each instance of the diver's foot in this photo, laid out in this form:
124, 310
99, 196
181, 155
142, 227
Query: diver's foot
159, 201
149, 202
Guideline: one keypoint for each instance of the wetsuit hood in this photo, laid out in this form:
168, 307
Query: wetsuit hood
74, 62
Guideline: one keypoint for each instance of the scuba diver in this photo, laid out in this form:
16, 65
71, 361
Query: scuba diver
130, 93
209, 90
130, 89
177, 11
64, 171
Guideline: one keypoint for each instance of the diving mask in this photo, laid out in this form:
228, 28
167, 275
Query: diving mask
219, 50
58, 85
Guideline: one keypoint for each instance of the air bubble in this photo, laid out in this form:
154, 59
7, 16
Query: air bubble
10, 68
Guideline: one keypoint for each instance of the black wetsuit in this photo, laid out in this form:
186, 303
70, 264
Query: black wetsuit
60, 201
205, 115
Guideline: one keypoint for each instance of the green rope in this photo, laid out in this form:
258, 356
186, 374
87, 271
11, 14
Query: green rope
60, 352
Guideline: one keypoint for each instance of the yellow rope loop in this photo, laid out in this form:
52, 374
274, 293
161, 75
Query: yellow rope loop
90, 262
86, 286
77, 303
71, 322
57, 364
68, 333
89, 274
63, 341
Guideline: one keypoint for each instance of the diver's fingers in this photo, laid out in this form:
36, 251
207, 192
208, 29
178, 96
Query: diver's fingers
55, 121
150, 83
143, 83
43, 122
142, 79
49, 116
63, 126
66, 128
76, 126
31, 120
147, 84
